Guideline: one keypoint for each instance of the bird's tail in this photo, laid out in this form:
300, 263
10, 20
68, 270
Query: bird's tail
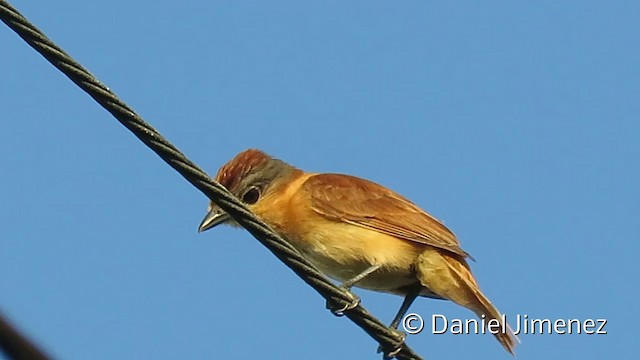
450, 277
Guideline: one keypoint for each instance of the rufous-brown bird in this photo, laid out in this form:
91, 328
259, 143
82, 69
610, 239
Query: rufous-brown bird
357, 232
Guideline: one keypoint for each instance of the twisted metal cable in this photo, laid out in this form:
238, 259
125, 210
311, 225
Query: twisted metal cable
388, 339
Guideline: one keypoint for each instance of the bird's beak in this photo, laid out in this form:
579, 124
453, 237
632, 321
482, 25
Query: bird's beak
215, 216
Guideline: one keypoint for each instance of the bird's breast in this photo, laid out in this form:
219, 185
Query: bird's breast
339, 249
343, 251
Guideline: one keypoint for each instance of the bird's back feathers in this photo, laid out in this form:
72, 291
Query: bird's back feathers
364, 203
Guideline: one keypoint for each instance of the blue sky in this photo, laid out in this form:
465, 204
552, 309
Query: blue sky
515, 123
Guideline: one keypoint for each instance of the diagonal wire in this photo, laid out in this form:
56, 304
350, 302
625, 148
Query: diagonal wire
388, 339
15, 345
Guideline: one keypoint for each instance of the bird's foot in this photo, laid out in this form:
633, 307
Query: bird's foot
390, 353
338, 307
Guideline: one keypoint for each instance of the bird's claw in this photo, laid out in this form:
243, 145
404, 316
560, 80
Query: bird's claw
390, 354
331, 305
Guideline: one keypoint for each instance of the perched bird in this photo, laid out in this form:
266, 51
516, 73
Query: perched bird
357, 232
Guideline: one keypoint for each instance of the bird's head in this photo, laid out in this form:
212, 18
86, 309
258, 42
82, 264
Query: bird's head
251, 176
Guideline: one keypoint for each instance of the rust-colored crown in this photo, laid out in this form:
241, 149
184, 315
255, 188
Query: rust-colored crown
231, 174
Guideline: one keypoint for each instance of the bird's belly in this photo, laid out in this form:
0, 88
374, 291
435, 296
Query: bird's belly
343, 251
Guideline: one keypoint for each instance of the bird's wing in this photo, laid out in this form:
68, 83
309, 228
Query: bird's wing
364, 203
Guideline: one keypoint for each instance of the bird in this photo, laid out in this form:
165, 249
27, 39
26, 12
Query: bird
357, 232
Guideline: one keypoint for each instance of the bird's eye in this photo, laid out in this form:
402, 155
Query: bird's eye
251, 196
